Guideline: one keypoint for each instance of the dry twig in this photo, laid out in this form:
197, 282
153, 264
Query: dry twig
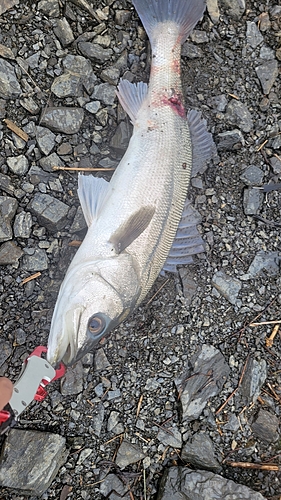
273, 322
139, 405
84, 169
18, 131
249, 465
156, 293
29, 278
270, 339
262, 145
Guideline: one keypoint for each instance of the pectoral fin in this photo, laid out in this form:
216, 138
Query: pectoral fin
131, 228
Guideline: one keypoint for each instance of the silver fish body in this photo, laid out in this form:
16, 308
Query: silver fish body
133, 220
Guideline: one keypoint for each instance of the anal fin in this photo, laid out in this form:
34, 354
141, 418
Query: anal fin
187, 242
203, 146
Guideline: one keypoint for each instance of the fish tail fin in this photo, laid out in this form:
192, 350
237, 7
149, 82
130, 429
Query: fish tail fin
185, 13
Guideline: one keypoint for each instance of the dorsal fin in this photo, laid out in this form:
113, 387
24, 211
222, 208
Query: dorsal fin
131, 97
92, 192
187, 241
131, 228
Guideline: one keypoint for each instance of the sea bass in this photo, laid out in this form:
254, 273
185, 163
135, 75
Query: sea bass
134, 219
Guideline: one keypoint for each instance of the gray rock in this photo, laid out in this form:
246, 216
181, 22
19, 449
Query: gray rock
266, 426
63, 119
37, 261
33, 60
77, 71
228, 140
189, 286
85, 453
104, 93
77, 64
252, 175
111, 395
9, 254
253, 35
20, 336
110, 75
6, 184
202, 378
235, 8
252, 200
219, 102
113, 420
93, 107
47, 163
122, 16
8, 207
94, 51
23, 225
49, 211
172, 438
102, 116
31, 460
46, 139
274, 162
191, 51
55, 185
113, 488
263, 261
37, 175
108, 163
101, 361
254, 378
30, 105
267, 53
228, 286
199, 36
5, 351
127, 454
63, 32
199, 451
72, 382
98, 418
49, 7
267, 74
213, 10
120, 140
66, 85
232, 424
79, 222
9, 85
18, 164
238, 114
180, 483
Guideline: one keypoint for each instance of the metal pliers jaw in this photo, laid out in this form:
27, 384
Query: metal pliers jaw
36, 374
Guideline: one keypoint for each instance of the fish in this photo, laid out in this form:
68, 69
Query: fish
141, 222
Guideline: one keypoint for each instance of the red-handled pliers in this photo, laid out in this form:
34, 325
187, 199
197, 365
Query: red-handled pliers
36, 374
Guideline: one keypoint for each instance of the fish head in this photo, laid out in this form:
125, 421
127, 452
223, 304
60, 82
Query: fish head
87, 309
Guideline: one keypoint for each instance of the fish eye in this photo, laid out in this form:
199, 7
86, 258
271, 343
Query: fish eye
96, 324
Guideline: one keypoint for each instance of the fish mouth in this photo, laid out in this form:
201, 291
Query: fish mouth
63, 346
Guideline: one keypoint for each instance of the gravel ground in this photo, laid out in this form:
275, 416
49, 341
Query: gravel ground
125, 391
